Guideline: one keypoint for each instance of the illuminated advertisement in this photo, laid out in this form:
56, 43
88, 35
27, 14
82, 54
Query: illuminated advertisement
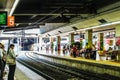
3, 18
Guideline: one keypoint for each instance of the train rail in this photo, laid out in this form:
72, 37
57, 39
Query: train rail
53, 71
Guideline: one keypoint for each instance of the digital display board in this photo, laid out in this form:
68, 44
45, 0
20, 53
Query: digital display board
3, 18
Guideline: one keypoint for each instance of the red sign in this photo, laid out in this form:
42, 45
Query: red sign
11, 21
117, 41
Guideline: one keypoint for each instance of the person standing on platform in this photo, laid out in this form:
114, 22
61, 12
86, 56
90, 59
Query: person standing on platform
74, 49
4, 58
87, 51
64, 49
11, 61
1, 62
93, 56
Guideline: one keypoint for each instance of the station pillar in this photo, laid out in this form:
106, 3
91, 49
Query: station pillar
71, 38
100, 40
51, 44
117, 37
117, 42
58, 44
40, 43
88, 37
117, 30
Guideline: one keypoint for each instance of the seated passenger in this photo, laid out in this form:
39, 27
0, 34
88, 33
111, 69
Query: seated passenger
74, 49
109, 51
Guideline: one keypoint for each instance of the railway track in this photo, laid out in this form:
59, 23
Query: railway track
53, 71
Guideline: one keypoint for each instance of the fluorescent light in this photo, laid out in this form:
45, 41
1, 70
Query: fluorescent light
98, 26
13, 7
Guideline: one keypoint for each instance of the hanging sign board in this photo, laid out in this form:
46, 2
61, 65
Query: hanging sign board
3, 18
11, 21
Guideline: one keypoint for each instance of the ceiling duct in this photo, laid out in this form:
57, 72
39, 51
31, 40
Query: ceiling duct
59, 31
102, 21
75, 28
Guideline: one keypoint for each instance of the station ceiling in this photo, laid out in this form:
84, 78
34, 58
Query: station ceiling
37, 13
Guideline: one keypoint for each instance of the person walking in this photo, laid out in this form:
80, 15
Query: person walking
11, 61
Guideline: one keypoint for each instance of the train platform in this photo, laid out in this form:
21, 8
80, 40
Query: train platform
23, 73
97, 66
67, 55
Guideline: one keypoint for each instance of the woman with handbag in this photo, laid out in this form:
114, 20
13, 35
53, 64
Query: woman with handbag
11, 61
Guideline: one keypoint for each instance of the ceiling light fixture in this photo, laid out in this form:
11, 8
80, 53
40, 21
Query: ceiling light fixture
13, 7
102, 25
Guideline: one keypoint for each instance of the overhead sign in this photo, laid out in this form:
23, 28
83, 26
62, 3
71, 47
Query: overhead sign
11, 21
3, 18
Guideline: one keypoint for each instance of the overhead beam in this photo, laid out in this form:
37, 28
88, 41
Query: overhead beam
110, 7
20, 28
71, 4
48, 14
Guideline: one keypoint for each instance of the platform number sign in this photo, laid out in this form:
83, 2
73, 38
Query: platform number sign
11, 21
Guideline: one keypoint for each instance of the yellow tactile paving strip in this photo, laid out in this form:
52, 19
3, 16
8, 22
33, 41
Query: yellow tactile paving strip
104, 62
111, 63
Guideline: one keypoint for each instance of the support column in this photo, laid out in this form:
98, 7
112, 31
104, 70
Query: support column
81, 40
58, 44
117, 30
52, 44
71, 38
100, 39
88, 37
40, 43
100, 46
117, 42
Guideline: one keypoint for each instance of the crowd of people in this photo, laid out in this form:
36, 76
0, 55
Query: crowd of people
9, 58
87, 52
